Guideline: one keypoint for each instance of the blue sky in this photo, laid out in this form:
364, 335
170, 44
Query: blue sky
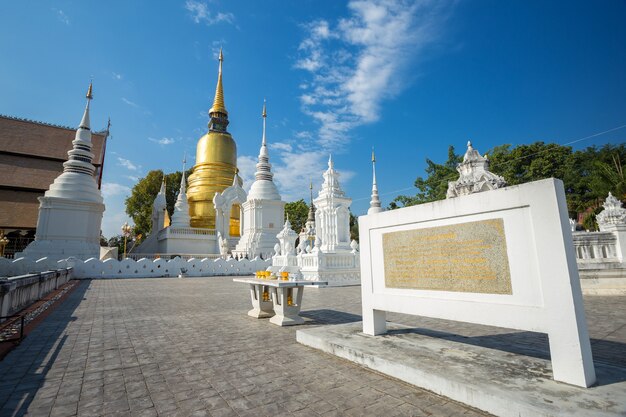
407, 77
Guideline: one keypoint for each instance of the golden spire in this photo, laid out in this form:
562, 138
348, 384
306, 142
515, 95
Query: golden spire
373, 157
218, 102
89, 95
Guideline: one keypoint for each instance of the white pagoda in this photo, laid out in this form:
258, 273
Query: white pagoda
70, 212
334, 258
263, 210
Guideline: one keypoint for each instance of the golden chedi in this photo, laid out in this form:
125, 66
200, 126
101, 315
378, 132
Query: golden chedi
216, 166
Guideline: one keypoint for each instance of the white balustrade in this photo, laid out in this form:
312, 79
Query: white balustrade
142, 268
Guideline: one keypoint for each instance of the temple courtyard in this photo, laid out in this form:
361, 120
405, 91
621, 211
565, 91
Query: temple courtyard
170, 347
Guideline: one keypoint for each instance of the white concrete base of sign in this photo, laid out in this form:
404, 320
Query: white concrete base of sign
501, 383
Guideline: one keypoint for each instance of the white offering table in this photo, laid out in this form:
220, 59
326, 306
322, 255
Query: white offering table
285, 296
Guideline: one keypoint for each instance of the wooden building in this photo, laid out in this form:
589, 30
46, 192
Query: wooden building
31, 157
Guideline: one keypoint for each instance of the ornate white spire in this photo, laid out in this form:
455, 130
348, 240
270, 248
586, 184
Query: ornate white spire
263, 187
77, 181
331, 186
375, 202
160, 201
474, 175
181, 217
264, 114
613, 215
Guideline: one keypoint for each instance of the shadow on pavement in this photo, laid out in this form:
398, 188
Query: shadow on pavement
24, 370
327, 316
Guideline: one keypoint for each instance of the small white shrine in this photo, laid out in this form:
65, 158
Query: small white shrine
334, 258
70, 212
474, 175
263, 210
613, 217
285, 259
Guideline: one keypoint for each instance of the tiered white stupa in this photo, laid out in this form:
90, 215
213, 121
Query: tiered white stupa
334, 257
160, 216
375, 206
307, 234
70, 212
263, 211
181, 217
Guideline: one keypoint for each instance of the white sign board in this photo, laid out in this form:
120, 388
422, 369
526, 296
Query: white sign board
501, 258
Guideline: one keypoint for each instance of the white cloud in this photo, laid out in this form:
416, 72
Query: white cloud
127, 164
116, 76
281, 146
360, 61
296, 170
163, 141
63, 18
247, 168
110, 189
130, 103
200, 13
133, 178
137, 106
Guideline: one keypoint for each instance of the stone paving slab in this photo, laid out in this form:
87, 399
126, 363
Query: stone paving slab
169, 347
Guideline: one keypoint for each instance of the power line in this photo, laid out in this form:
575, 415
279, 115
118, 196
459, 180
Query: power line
521, 157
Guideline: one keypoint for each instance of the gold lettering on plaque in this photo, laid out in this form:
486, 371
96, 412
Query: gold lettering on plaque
466, 257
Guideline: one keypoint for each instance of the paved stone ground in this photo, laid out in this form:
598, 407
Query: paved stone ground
147, 347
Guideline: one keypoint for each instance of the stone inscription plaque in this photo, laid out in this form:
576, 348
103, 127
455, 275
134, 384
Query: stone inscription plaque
466, 257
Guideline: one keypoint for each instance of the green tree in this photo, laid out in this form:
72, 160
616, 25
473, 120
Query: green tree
298, 212
354, 227
435, 185
139, 204
588, 175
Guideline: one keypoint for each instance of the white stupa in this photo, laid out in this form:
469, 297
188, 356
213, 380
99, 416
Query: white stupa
160, 216
70, 212
181, 217
334, 258
263, 210
375, 206
332, 213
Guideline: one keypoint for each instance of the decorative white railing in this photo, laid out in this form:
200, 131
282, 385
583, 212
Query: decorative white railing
595, 247
143, 268
21, 291
153, 256
186, 231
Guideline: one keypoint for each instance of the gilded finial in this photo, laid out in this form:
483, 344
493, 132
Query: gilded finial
218, 101
264, 109
373, 156
89, 95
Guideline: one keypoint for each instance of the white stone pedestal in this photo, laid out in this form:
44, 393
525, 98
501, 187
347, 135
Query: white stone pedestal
260, 309
286, 300
286, 306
